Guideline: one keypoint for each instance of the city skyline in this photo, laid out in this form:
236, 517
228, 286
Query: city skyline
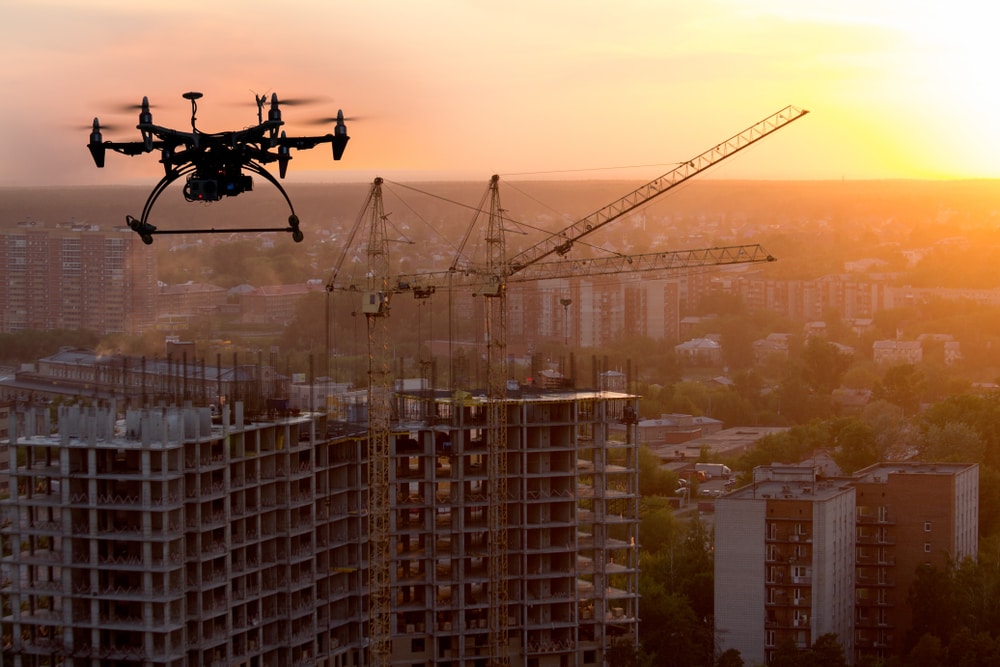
460, 90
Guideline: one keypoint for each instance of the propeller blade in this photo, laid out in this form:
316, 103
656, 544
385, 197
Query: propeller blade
128, 108
103, 127
299, 101
333, 119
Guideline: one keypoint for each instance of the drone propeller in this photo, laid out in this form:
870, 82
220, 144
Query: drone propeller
102, 127
333, 119
299, 101
129, 108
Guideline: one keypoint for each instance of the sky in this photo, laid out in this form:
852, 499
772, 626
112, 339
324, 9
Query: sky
463, 89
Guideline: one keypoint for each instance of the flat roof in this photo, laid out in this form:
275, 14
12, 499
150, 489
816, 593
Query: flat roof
775, 489
727, 442
880, 471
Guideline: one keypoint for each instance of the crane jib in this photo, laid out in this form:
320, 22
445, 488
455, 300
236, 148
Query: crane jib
562, 242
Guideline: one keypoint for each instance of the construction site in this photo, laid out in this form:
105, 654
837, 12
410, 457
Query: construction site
473, 526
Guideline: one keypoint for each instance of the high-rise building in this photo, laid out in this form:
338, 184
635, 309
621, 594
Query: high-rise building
173, 539
798, 555
75, 276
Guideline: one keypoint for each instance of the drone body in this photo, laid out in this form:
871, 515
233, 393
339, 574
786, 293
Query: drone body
215, 163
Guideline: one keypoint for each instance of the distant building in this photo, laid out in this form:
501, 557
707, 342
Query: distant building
139, 381
894, 352
75, 276
672, 429
275, 304
815, 328
784, 563
798, 555
700, 352
190, 299
774, 345
908, 514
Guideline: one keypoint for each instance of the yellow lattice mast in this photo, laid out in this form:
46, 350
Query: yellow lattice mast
496, 430
375, 306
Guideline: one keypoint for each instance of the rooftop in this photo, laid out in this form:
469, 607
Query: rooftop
879, 473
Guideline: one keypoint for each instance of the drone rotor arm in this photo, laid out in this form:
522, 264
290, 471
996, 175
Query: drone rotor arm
130, 148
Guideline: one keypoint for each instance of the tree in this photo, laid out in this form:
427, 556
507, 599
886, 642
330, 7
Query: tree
893, 433
927, 652
654, 480
671, 632
856, 446
787, 654
901, 385
932, 599
730, 658
823, 365
953, 441
827, 651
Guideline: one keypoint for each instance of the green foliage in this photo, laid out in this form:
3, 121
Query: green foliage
956, 611
827, 651
730, 658
856, 445
676, 580
654, 480
791, 446
901, 385
823, 365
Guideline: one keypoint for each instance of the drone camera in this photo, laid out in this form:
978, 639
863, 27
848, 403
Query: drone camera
213, 189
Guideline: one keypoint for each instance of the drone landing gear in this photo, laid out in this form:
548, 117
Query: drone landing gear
143, 229
146, 230
293, 222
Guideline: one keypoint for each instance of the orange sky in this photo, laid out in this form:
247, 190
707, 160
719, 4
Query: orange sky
464, 89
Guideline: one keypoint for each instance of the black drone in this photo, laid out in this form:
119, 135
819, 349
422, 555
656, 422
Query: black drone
214, 163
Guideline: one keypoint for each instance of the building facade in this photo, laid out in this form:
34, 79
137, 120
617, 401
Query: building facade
798, 555
784, 563
908, 514
174, 539
75, 276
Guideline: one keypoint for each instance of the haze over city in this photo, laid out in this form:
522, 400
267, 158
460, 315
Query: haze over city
225, 447
451, 89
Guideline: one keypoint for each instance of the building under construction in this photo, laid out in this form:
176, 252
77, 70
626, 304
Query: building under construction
172, 539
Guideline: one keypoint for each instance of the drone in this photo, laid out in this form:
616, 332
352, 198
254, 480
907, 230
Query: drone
214, 164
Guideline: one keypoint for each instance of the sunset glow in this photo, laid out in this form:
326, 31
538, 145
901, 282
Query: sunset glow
453, 89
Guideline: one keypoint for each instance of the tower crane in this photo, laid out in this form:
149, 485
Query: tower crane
498, 271
375, 306
375, 301
496, 432
493, 279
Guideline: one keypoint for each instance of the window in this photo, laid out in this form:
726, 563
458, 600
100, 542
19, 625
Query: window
927, 526
927, 547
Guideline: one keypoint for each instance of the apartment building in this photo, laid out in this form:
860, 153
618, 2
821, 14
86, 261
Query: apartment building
75, 276
172, 539
798, 555
784, 563
907, 514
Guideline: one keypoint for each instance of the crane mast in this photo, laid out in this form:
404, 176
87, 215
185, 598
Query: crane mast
375, 306
496, 431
